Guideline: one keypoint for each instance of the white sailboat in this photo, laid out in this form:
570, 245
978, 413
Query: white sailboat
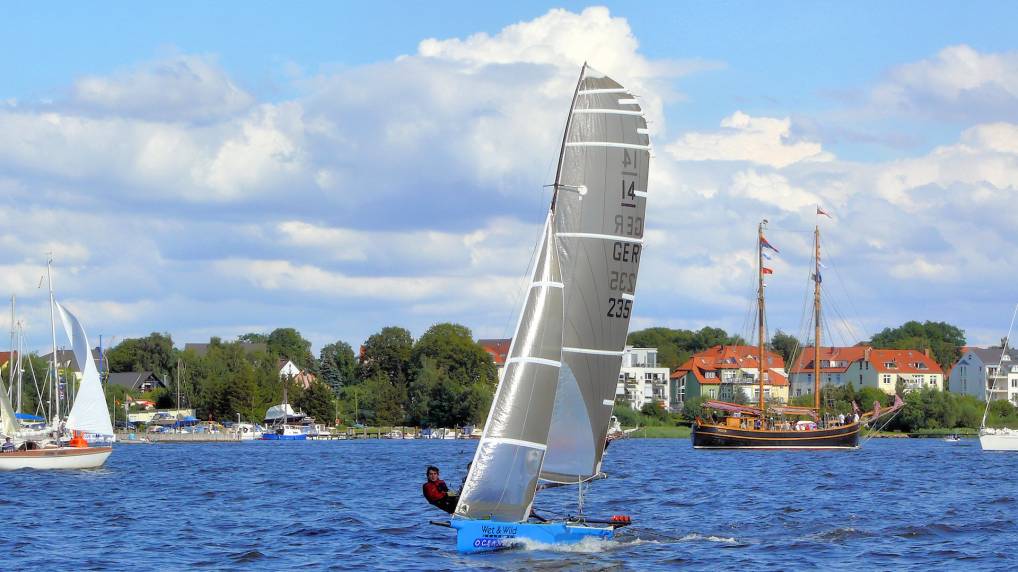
552, 409
998, 439
88, 415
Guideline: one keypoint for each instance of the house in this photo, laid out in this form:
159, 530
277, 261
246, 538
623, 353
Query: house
834, 362
201, 350
66, 360
302, 377
885, 368
976, 373
499, 351
136, 380
641, 381
721, 372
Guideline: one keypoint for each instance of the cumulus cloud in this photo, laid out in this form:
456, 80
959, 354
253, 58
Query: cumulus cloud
763, 140
959, 82
179, 88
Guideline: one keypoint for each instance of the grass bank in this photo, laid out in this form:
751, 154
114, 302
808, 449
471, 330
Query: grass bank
662, 432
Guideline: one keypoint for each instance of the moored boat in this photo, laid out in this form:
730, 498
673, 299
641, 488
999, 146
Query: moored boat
998, 438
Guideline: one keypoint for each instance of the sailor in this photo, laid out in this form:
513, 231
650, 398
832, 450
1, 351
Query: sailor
8, 446
437, 493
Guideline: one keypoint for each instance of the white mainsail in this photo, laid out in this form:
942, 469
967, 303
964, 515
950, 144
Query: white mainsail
551, 411
599, 222
9, 423
89, 413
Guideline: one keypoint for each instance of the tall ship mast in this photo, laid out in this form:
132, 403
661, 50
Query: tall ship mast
727, 425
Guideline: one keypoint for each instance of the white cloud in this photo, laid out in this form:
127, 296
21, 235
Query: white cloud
762, 140
181, 87
959, 81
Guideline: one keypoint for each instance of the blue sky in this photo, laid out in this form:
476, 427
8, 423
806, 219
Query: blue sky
216, 168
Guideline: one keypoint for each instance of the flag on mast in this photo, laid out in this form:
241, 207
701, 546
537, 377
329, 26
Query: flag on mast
820, 211
765, 244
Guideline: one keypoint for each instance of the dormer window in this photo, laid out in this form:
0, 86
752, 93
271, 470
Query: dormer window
710, 374
1005, 357
920, 365
890, 365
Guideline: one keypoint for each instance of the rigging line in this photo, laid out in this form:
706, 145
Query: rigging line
851, 302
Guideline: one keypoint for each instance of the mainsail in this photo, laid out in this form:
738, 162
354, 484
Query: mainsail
8, 420
599, 221
89, 413
551, 411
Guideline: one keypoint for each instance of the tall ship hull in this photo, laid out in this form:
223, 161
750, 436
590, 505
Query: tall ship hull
706, 436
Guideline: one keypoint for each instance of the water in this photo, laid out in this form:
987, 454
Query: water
900, 504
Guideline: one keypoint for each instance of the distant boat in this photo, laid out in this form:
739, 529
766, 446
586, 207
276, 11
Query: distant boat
281, 422
952, 438
550, 414
762, 426
1002, 438
88, 416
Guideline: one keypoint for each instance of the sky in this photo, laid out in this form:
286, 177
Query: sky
217, 168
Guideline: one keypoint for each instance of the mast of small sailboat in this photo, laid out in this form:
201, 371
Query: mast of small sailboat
10, 358
55, 413
993, 387
816, 320
760, 310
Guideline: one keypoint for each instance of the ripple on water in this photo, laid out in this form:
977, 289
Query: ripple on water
357, 505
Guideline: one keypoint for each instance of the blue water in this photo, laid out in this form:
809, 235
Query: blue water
896, 504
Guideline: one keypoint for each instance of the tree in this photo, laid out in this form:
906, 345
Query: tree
287, 343
388, 353
316, 401
154, 352
338, 365
787, 346
452, 378
676, 346
253, 338
942, 339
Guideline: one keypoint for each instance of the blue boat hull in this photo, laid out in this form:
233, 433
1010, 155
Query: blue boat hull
487, 535
275, 437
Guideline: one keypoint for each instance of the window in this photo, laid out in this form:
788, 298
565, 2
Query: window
710, 374
890, 365
885, 378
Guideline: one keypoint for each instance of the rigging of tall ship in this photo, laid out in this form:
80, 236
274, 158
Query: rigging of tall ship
776, 425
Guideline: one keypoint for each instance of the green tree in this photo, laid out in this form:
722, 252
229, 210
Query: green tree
387, 353
154, 352
287, 343
942, 339
452, 376
253, 338
338, 365
317, 401
787, 346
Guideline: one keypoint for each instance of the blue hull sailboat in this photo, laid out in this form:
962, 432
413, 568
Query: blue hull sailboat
552, 409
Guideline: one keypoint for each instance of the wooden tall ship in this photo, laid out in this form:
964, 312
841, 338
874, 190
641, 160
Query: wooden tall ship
763, 426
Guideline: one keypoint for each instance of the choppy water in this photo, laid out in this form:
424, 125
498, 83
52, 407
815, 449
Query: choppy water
897, 504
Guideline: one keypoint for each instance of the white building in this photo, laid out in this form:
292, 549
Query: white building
641, 381
976, 374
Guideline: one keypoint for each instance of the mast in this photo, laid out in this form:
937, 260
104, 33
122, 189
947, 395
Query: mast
10, 357
816, 320
55, 417
1003, 350
565, 136
760, 310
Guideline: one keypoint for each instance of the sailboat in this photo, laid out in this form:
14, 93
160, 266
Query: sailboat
278, 417
781, 426
990, 438
550, 414
88, 415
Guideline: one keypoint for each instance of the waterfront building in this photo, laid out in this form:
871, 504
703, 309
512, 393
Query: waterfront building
834, 362
885, 368
498, 349
642, 381
723, 372
975, 373
301, 377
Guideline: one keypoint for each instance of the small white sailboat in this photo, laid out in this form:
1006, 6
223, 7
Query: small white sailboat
551, 412
88, 415
1003, 438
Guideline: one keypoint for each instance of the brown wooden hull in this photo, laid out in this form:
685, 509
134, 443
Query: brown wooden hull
707, 436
